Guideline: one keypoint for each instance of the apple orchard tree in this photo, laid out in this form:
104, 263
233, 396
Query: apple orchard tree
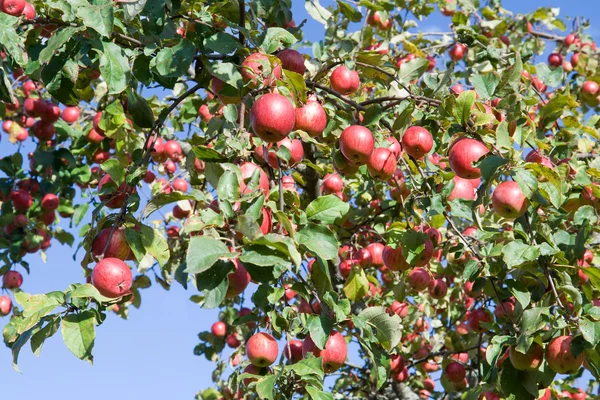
429, 199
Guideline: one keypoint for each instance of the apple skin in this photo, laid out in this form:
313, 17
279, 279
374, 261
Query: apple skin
12, 7
463, 154
112, 277
476, 317
29, 11
589, 89
219, 329
356, 144
94, 136
376, 252
332, 183
457, 52
257, 68
272, 117
292, 60
116, 199
247, 169
118, 247
419, 279
262, 349
334, 354
455, 371
344, 81
463, 189
70, 114
172, 150
555, 60
43, 130
394, 146
535, 157
394, 259
529, 361
50, 201
21, 200
293, 351
311, 118
382, 164
12, 280
180, 185
438, 289
490, 396
417, 142
508, 200
232, 341
238, 280
559, 356
5, 306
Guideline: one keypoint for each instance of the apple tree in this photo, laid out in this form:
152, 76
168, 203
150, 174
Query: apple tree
423, 202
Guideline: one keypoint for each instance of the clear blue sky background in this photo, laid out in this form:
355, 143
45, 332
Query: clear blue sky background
150, 355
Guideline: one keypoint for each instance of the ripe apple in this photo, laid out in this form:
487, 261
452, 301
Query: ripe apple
13, 7
457, 52
400, 309
463, 189
374, 20
5, 306
29, 11
21, 200
569, 39
219, 329
394, 259
296, 152
555, 60
112, 277
419, 279
559, 355
344, 81
311, 118
457, 89
382, 164
172, 149
575, 59
70, 114
272, 117
258, 68
476, 317
463, 154
12, 280
262, 349
438, 289
232, 341
334, 354
332, 183
490, 396
292, 60
356, 144
293, 351
590, 89
114, 199
455, 371
181, 185
394, 146
117, 248
508, 200
94, 136
43, 130
535, 157
254, 370
238, 279
204, 113
50, 202
150, 177
247, 169
529, 361
417, 142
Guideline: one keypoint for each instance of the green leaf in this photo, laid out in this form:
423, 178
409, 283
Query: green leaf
389, 329
413, 246
114, 168
320, 327
207, 154
140, 110
203, 252
78, 332
357, 284
222, 43
6, 92
162, 199
412, 70
490, 164
276, 39
114, 67
317, 11
533, 319
512, 75
56, 41
155, 244
585, 215
36, 307
372, 115
464, 106
485, 85
265, 387
522, 295
38, 338
327, 209
517, 253
590, 331
88, 290
99, 17
316, 394
319, 240
173, 62
527, 181
10, 40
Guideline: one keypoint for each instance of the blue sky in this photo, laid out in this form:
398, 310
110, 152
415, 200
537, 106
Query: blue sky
150, 355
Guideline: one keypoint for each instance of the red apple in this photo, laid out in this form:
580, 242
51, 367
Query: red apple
262, 349
29, 12
293, 351
394, 259
117, 247
476, 317
5, 306
529, 361
13, 7
357, 144
535, 157
382, 164
116, 198
70, 114
172, 149
181, 185
508, 200
311, 118
457, 52
94, 136
417, 142
238, 279
463, 154
50, 202
419, 279
272, 117
292, 61
219, 329
376, 251
258, 68
334, 354
344, 81
217, 87
463, 189
12, 280
112, 277
590, 88
559, 355
332, 183
232, 341
247, 169
438, 289
21, 200
455, 371
555, 60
